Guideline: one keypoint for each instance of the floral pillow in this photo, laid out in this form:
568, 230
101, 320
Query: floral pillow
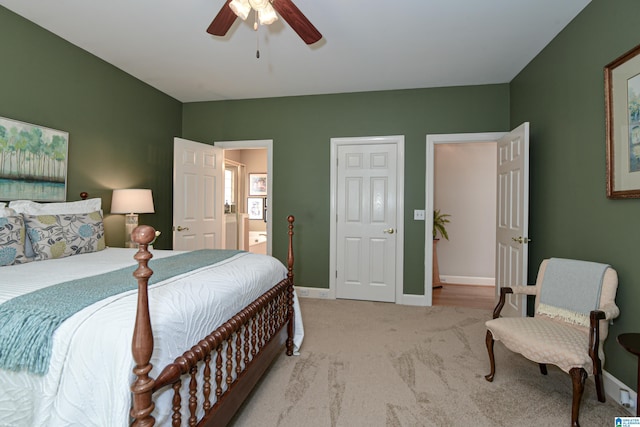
12, 235
57, 236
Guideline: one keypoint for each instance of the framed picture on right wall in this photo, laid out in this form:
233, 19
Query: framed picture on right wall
257, 184
622, 107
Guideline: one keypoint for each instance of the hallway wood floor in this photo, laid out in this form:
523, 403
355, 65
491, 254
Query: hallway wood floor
465, 296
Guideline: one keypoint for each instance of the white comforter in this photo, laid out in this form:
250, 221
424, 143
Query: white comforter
90, 373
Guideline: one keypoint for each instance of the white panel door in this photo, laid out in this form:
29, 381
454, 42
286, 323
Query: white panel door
513, 217
366, 222
198, 193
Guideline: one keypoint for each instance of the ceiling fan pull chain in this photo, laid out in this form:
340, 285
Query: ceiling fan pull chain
255, 28
257, 45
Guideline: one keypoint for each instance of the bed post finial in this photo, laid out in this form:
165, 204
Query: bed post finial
291, 220
290, 324
142, 343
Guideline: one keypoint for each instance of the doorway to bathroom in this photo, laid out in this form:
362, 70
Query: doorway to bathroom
248, 194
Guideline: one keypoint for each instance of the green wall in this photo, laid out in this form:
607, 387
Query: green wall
561, 92
120, 129
301, 129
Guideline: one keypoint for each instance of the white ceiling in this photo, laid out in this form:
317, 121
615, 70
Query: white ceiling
367, 44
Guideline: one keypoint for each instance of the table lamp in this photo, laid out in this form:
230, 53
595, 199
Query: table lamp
131, 201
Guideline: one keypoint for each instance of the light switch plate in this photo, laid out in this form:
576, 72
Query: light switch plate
418, 214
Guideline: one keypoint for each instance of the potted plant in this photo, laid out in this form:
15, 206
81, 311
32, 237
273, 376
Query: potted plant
440, 221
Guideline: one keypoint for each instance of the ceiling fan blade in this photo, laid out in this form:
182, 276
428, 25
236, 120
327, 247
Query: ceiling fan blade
223, 21
296, 19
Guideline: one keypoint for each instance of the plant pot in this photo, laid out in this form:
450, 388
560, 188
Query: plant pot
436, 283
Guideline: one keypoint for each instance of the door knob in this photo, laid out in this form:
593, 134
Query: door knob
389, 230
521, 239
181, 228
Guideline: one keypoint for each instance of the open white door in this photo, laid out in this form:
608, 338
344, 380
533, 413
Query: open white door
512, 216
512, 219
198, 191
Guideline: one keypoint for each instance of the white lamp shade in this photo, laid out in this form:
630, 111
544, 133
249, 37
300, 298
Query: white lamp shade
241, 8
130, 200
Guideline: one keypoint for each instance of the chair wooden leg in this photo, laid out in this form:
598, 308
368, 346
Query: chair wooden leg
489, 341
543, 368
599, 387
578, 377
597, 376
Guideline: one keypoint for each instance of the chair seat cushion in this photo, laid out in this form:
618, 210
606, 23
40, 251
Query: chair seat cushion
543, 340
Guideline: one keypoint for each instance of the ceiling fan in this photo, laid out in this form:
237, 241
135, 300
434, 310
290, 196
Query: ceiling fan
265, 14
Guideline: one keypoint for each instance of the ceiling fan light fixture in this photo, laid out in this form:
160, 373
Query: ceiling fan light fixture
241, 8
267, 15
259, 4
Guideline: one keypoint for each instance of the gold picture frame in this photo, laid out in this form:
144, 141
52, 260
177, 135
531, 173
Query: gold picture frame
622, 109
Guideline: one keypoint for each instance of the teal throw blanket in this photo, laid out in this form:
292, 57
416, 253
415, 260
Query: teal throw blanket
27, 322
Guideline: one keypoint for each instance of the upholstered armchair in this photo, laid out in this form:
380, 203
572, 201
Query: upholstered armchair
568, 338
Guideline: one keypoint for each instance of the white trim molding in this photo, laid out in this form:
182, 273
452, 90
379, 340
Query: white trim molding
612, 388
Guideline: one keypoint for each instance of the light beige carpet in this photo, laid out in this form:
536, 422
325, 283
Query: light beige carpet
377, 364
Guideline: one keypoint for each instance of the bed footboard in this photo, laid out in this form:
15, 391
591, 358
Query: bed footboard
220, 371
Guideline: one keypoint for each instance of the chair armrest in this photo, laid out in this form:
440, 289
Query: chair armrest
526, 290
501, 301
610, 310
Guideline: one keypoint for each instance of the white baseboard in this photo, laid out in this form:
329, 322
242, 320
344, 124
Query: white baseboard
324, 293
612, 387
417, 300
468, 280
307, 292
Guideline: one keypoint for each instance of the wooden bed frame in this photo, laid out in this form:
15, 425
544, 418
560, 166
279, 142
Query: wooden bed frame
240, 350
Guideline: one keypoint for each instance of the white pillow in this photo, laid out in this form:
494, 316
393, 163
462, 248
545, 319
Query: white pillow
5, 212
34, 208
2, 204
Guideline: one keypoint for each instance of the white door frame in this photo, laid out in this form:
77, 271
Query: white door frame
368, 140
253, 144
432, 140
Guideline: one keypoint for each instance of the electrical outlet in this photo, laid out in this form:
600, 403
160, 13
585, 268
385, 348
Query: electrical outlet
303, 292
324, 294
418, 214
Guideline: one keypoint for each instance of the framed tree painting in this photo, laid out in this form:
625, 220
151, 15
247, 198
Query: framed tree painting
622, 106
33, 162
